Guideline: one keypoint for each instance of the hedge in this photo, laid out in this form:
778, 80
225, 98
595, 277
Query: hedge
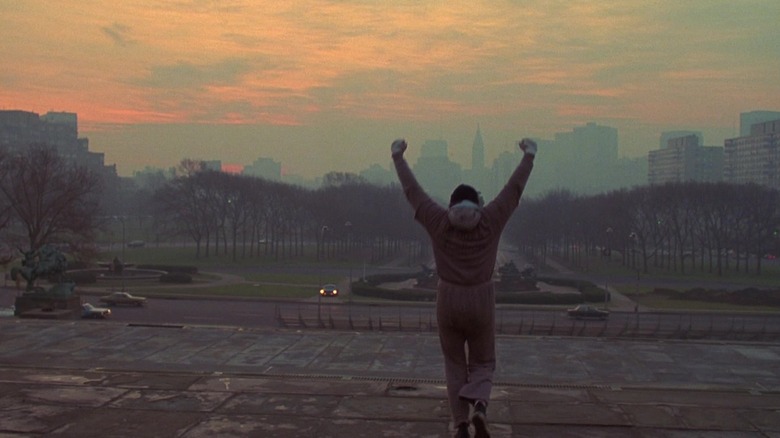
588, 291
192, 270
80, 277
176, 277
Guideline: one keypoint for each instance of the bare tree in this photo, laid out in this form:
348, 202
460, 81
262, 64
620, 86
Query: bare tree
50, 198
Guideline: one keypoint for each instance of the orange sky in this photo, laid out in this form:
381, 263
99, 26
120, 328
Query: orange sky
324, 85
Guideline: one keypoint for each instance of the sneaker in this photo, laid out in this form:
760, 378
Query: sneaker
479, 420
462, 431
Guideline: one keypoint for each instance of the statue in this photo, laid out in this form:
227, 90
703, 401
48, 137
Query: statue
117, 266
46, 261
512, 279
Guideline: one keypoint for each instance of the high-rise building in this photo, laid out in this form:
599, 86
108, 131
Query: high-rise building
684, 159
434, 170
754, 158
20, 129
750, 118
478, 153
668, 135
591, 143
264, 168
584, 158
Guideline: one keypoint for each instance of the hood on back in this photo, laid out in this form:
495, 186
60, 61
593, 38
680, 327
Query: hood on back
464, 215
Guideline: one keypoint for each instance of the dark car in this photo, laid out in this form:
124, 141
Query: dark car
587, 312
329, 290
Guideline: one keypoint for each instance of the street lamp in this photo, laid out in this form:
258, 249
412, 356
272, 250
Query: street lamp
122, 261
319, 293
609, 257
348, 226
634, 239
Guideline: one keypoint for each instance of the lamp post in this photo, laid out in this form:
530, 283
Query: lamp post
634, 239
122, 261
319, 292
609, 257
348, 226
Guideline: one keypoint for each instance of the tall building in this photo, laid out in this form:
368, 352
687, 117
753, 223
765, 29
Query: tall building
583, 160
264, 168
435, 172
750, 118
478, 176
20, 129
478, 153
592, 143
668, 135
754, 158
684, 159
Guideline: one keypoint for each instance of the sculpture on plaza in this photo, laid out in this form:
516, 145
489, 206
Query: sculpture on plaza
43, 262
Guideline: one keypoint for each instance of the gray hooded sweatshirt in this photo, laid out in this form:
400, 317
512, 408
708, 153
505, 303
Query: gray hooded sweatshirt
465, 237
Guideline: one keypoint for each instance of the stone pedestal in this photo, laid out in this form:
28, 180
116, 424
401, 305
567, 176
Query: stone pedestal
39, 305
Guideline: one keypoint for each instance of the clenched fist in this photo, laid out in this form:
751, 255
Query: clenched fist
398, 147
528, 146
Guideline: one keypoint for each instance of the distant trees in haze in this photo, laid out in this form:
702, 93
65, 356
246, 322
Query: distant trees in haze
679, 227
683, 227
243, 216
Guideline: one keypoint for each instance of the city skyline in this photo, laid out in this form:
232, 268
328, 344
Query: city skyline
324, 85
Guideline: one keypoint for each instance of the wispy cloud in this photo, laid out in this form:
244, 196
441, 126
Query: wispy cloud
187, 75
118, 33
540, 63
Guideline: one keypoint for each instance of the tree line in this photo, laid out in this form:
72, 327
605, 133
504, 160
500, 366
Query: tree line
244, 216
681, 227
676, 227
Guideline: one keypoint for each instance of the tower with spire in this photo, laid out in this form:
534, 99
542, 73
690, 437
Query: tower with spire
478, 153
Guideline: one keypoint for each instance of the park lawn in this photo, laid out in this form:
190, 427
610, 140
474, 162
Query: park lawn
665, 303
241, 290
185, 256
596, 265
302, 279
645, 297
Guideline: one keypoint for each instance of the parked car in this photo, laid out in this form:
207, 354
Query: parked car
90, 311
587, 312
329, 290
123, 299
136, 244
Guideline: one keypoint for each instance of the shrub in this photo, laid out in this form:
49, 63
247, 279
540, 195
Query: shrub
592, 294
176, 277
538, 298
372, 291
80, 277
378, 279
77, 264
192, 270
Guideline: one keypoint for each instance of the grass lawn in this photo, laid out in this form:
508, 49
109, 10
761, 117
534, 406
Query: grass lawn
243, 290
642, 294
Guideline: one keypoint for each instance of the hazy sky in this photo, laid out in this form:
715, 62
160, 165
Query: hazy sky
322, 85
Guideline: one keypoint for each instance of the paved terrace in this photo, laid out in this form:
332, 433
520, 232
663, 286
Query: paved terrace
102, 378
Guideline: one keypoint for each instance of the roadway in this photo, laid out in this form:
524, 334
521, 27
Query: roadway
339, 313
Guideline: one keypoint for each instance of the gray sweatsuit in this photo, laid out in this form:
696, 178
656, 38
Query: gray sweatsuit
465, 301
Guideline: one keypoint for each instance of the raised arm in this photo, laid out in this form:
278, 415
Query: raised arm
509, 197
422, 203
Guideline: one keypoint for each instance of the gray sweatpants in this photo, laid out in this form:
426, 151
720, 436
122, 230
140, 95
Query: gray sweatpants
466, 318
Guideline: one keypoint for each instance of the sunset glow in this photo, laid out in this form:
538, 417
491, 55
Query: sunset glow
309, 82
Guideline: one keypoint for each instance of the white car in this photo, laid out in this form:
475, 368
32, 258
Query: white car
123, 299
90, 311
